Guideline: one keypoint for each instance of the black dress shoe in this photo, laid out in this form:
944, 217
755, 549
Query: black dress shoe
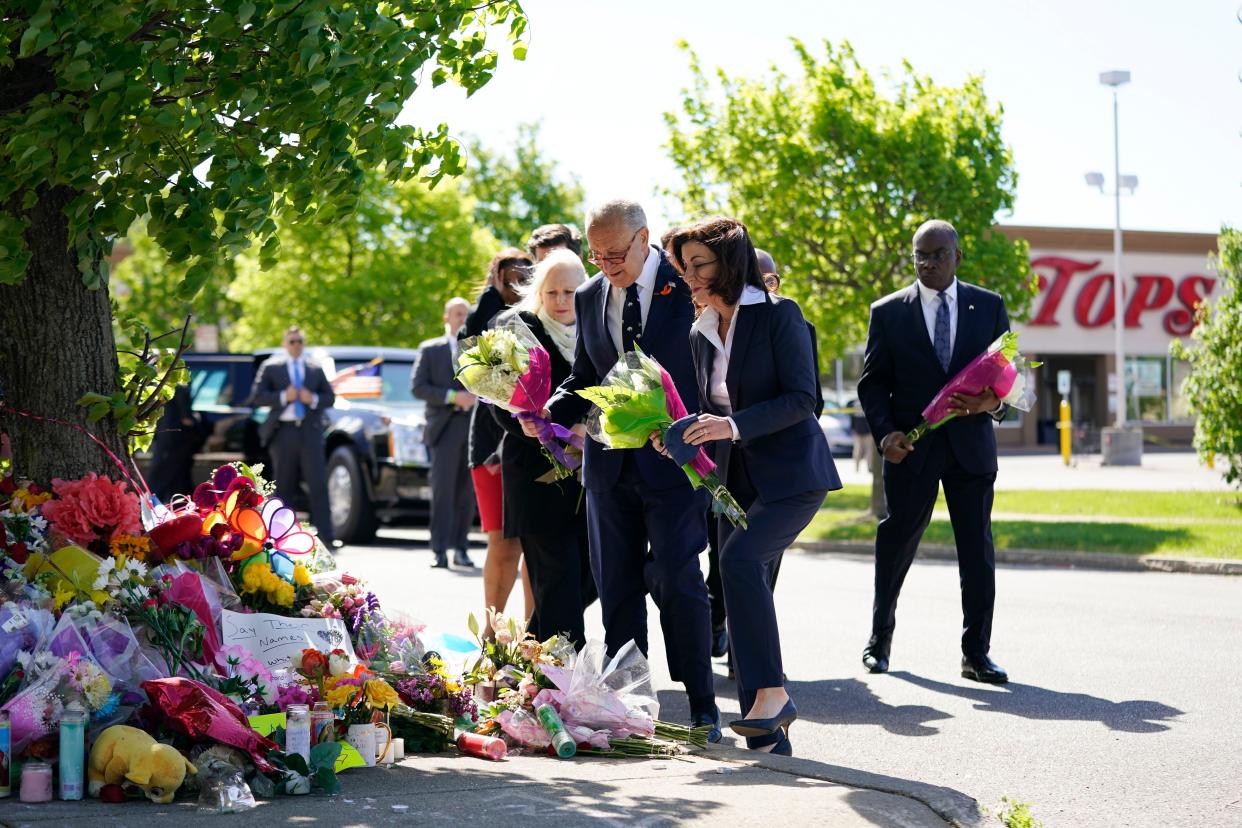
441, 561
875, 654
752, 728
984, 669
720, 642
708, 718
462, 559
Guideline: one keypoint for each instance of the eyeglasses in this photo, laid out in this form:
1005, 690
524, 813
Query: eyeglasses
599, 261
935, 257
295, 341
693, 270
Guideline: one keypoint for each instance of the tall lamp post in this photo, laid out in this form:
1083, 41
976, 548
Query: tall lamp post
1121, 446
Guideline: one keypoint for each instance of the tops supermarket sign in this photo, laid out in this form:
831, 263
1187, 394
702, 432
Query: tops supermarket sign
1073, 312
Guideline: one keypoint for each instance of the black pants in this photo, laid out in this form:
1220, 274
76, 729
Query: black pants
559, 566
452, 492
747, 557
298, 452
644, 541
911, 499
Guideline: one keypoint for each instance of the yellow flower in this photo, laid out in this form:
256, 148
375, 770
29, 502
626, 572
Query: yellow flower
341, 696
301, 575
130, 546
380, 695
62, 597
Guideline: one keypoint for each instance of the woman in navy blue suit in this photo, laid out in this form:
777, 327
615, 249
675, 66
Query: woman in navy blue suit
756, 374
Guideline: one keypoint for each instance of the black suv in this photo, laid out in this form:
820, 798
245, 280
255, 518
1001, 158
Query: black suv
377, 462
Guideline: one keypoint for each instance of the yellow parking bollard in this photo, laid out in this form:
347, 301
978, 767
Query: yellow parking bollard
1066, 430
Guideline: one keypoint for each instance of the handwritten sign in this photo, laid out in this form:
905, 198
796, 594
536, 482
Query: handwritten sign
274, 638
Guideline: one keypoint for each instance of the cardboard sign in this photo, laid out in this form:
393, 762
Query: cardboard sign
272, 639
267, 723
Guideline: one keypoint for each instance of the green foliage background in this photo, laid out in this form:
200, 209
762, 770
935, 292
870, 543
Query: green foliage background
833, 170
1214, 385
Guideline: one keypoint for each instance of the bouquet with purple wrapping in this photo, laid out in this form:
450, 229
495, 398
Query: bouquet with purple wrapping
1000, 368
507, 367
638, 397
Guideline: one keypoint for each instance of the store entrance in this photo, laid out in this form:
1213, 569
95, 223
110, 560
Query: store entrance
1085, 397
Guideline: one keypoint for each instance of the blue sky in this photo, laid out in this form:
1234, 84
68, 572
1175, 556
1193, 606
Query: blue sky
1180, 116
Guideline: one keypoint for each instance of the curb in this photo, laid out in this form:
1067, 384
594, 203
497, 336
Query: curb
1105, 561
954, 807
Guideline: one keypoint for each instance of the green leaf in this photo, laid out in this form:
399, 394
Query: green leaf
472, 624
244, 12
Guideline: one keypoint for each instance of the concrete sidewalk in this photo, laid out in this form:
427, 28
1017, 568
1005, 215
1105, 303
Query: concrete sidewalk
719, 787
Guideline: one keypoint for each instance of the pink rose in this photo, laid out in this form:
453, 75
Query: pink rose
92, 508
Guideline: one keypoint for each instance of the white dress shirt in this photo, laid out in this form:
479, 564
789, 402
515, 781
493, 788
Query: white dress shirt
289, 413
451, 394
646, 289
708, 325
930, 300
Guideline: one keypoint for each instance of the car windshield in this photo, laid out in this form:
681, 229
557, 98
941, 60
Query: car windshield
394, 379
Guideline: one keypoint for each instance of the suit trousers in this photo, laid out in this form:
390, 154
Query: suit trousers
911, 499
747, 560
559, 566
645, 541
298, 453
452, 493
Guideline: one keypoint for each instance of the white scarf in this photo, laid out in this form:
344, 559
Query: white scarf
563, 336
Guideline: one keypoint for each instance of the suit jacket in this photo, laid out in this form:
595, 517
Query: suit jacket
273, 379
530, 507
485, 433
901, 374
664, 337
434, 375
771, 379
819, 389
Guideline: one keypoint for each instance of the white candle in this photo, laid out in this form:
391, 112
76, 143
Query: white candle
390, 754
398, 745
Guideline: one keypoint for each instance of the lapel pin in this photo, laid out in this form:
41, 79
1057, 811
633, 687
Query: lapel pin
970, 307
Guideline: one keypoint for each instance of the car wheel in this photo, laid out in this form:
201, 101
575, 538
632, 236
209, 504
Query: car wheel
353, 514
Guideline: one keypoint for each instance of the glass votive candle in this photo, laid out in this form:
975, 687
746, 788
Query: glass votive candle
36, 782
398, 746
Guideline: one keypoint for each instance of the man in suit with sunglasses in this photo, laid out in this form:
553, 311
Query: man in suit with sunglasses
297, 391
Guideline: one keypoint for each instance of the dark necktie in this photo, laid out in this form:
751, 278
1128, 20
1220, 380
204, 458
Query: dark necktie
631, 319
943, 349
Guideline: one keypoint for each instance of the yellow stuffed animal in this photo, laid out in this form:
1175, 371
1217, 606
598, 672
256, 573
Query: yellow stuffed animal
126, 754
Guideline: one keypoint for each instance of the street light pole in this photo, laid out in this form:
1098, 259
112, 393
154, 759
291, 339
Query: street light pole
1118, 319
1121, 446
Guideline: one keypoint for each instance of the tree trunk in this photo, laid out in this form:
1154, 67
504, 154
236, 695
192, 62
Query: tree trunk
56, 344
879, 506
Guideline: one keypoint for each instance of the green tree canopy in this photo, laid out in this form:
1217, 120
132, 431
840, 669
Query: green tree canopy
220, 122
833, 171
1214, 385
519, 191
379, 277
147, 287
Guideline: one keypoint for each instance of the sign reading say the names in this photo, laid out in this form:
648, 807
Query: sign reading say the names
272, 639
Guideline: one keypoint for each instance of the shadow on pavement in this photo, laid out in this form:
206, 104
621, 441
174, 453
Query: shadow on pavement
829, 701
1031, 702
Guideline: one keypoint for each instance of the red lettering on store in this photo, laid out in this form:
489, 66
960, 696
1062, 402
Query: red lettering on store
1150, 292
1053, 292
1086, 301
1093, 305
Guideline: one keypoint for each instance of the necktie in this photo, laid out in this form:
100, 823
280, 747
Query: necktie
631, 318
295, 377
943, 350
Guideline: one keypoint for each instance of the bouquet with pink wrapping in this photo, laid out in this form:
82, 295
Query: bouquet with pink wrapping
639, 397
507, 367
612, 695
1000, 368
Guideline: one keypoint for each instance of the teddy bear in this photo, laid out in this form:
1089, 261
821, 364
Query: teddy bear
126, 754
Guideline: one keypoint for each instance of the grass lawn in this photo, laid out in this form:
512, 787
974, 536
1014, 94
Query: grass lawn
1190, 524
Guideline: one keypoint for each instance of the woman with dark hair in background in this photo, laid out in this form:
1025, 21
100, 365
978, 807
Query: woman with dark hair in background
509, 270
756, 373
548, 518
